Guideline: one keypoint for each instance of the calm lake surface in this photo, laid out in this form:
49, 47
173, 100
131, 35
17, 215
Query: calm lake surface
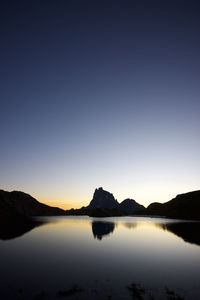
103, 257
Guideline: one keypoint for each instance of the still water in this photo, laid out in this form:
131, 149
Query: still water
107, 258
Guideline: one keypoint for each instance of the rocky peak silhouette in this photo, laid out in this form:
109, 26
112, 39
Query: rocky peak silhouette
103, 199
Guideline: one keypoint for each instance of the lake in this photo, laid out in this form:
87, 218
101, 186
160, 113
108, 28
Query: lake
79, 257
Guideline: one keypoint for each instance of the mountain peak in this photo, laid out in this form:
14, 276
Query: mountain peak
103, 199
130, 206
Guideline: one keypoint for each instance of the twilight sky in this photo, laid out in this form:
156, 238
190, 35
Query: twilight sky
100, 93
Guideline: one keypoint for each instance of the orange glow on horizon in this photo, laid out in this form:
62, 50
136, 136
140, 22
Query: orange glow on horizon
62, 200
64, 204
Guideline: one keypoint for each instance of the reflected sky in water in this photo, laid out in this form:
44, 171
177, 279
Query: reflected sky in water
102, 255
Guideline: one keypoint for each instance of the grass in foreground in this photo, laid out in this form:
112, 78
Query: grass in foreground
75, 289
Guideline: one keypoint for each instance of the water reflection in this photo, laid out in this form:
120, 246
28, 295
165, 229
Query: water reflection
188, 231
100, 229
130, 225
16, 228
62, 256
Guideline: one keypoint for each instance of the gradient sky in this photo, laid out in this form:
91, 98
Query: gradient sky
100, 93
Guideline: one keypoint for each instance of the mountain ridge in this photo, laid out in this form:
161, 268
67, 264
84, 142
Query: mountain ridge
104, 201
183, 206
18, 206
25, 204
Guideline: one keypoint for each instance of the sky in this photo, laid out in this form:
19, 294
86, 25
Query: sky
100, 94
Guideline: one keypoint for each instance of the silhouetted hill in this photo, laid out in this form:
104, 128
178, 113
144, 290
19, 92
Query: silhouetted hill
103, 200
103, 204
130, 206
183, 206
98, 212
16, 210
24, 204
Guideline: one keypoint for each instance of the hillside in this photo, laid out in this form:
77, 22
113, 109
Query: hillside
183, 206
103, 204
25, 204
16, 211
130, 206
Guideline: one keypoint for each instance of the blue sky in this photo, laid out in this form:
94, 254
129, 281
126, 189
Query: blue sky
101, 93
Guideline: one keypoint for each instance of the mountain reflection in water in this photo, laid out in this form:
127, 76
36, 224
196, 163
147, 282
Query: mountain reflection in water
99, 258
100, 229
14, 229
188, 231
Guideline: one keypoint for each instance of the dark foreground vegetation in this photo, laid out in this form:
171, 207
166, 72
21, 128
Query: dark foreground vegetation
131, 291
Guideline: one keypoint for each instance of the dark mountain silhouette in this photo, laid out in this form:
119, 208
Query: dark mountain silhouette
18, 205
130, 206
97, 212
100, 229
154, 206
16, 211
24, 204
103, 204
103, 200
183, 206
12, 222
